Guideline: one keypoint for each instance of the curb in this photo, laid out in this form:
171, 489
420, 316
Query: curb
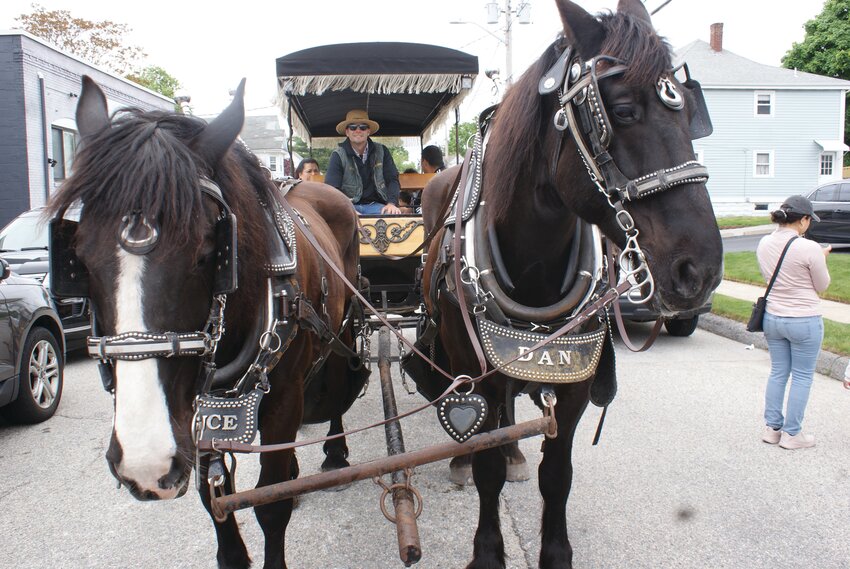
751, 230
829, 364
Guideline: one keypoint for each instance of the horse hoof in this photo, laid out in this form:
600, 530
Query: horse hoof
517, 471
460, 471
332, 462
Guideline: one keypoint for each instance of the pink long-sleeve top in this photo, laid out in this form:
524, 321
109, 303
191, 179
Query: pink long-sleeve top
802, 275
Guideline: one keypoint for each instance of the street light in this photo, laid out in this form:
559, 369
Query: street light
523, 14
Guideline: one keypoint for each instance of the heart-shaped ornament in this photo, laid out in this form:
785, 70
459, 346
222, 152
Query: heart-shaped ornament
462, 415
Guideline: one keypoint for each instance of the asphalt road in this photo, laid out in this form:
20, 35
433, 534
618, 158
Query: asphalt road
679, 480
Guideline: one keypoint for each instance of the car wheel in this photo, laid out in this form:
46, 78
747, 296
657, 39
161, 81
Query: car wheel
682, 327
41, 379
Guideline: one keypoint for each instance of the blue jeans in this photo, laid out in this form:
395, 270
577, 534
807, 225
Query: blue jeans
794, 345
371, 208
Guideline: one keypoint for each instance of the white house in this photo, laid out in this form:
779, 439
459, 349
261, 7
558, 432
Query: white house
267, 140
777, 132
39, 89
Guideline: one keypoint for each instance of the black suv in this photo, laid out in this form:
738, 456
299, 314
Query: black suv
23, 243
31, 350
831, 203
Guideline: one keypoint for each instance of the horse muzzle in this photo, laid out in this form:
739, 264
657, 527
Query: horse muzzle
149, 482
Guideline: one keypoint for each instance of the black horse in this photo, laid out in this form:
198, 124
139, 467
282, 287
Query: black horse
598, 129
155, 188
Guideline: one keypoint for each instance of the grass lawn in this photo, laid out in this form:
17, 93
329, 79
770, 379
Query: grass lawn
836, 336
742, 267
733, 221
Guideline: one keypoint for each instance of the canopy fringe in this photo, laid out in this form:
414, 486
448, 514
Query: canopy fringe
379, 84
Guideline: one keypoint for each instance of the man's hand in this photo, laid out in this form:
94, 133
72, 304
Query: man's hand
390, 209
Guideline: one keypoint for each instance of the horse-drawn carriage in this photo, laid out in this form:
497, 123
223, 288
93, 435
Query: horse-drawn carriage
226, 305
411, 90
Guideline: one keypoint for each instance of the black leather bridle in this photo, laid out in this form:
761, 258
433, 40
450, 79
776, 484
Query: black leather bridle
582, 114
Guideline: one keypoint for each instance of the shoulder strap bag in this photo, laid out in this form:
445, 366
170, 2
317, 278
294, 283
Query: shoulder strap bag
757, 316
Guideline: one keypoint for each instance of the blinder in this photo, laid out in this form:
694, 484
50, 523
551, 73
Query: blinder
69, 277
700, 120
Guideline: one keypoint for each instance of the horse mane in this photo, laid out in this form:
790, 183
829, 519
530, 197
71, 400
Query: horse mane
517, 155
144, 162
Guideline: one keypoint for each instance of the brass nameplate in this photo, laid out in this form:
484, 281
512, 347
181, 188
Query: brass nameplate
568, 359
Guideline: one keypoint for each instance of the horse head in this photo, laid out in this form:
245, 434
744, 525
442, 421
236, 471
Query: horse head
616, 124
149, 236
651, 117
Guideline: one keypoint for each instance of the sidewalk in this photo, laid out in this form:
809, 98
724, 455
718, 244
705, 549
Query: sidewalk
835, 311
829, 364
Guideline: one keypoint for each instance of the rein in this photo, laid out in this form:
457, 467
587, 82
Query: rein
611, 295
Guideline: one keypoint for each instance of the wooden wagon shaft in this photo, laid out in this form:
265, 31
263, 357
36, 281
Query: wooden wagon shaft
409, 548
379, 467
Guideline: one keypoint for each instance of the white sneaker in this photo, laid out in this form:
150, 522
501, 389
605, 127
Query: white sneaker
800, 440
771, 435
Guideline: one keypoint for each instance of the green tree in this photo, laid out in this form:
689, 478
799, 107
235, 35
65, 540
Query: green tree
401, 157
100, 43
826, 49
322, 154
156, 79
465, 132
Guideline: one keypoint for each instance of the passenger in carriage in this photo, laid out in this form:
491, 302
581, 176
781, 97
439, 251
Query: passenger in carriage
432, 160
307, 169
363, 169
405, 202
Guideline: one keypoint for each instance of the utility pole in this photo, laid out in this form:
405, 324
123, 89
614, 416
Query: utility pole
523, 15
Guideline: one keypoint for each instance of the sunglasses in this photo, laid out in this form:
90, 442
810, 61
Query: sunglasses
356, 126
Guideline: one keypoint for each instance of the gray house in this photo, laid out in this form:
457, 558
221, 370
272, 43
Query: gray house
777, 131
265, 137
39, 87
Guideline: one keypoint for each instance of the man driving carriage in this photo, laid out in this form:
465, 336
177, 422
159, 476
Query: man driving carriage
363, 169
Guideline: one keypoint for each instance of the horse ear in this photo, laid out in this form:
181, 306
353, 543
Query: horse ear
636, 8
581, 28
92, 110
217, 137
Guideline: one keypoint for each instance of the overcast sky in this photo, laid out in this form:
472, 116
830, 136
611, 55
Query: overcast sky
210, 46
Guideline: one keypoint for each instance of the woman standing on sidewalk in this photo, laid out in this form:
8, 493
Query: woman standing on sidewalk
793, 325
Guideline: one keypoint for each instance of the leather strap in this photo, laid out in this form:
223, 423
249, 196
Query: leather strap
618, 316
778, 264
461, 295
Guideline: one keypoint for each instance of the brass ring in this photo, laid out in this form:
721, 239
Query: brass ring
417, 500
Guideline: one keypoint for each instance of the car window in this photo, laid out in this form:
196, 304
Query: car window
844, 195
826, 193
26, 231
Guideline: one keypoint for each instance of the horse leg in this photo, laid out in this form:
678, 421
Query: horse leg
231, 553
488, 472
555, 477
460, 467
279, 423
518, 470
336, 451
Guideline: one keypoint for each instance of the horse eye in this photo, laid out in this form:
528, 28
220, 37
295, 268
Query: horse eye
625, 113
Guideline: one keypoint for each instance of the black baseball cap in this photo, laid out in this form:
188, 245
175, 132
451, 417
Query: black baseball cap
800, 205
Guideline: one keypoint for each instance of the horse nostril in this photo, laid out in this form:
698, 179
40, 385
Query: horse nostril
687, 281
174, 476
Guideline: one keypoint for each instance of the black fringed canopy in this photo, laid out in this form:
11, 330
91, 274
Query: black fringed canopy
405, 87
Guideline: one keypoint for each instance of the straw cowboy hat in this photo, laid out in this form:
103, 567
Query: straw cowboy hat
357, 116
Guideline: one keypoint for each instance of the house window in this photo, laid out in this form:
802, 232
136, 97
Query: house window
64, 150
763, 164
826, 164
764, 103
273, 163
